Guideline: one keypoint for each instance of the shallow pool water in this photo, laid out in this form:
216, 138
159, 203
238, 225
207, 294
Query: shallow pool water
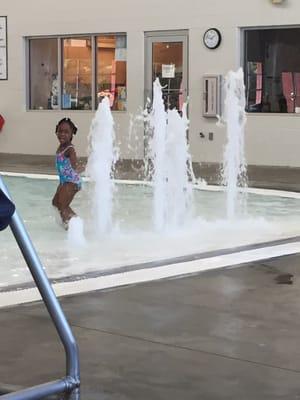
132, 239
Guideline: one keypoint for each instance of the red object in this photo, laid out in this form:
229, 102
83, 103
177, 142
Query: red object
288, 90
2, 121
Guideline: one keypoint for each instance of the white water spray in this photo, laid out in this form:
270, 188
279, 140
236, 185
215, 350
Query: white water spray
171, 164
234, 171
101, 160
76, 236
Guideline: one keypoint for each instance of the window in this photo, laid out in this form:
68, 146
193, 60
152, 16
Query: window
77, 74
91, 67
43, 70
272, 70
111, 70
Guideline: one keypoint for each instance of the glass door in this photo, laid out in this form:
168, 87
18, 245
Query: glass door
166, 59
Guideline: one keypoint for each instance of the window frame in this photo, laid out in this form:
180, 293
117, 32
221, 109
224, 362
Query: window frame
60, 38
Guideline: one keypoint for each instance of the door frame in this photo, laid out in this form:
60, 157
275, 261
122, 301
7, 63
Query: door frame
165, 36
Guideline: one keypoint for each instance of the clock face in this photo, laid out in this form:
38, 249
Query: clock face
212, 38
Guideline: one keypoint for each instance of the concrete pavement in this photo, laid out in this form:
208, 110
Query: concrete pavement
227, 334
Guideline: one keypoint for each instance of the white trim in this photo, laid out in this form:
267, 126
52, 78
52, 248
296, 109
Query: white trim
31, 176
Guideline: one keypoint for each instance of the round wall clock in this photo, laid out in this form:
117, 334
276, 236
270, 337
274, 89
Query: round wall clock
212, 38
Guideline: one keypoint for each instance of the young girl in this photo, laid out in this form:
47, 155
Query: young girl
67, 169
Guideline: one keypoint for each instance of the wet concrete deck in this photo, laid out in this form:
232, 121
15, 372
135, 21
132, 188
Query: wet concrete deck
227, 334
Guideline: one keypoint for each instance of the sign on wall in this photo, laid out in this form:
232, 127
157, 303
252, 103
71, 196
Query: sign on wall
3, 48
168, 70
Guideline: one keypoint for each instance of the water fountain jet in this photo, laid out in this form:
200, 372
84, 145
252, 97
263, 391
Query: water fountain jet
169, 154
101, 160
234, 170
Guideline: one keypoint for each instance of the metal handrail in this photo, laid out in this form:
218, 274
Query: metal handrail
71, 382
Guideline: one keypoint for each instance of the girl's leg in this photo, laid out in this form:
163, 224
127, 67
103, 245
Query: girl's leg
65, 195
55, 197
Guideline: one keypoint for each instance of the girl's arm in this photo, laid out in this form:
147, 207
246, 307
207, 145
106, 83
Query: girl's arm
74, 161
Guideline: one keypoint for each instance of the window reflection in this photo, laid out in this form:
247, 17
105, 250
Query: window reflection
272, 70
111, 70
43, 70
77, 74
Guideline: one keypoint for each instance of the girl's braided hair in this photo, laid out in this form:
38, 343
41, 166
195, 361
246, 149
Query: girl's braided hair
68, 121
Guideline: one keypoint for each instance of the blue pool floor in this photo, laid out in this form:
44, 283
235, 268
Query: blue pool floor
224, 334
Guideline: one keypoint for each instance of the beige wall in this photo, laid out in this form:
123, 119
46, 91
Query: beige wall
270, 139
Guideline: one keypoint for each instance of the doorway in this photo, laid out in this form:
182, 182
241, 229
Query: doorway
166, 58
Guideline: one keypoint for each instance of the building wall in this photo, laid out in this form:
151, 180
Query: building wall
270, 139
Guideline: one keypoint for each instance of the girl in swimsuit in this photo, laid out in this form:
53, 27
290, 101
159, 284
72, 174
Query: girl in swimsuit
67, 169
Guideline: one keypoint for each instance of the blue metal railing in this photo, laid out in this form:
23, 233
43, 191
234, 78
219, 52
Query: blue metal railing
71, 382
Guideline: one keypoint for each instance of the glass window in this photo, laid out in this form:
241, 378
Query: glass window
73, 72
272, 70
111, 70
77, 74
43, 71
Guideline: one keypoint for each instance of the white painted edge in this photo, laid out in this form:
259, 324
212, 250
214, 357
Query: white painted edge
200, 186
28, 175
151, 274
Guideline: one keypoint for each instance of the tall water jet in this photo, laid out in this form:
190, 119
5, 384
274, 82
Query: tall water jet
171, 161
234, 170
101, 161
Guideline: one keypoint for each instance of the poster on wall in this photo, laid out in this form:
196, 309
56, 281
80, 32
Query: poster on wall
3, 48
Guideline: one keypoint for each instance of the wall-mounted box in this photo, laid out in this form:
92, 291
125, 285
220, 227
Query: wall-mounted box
211, 95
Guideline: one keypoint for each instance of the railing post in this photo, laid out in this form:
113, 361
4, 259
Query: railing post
50, 300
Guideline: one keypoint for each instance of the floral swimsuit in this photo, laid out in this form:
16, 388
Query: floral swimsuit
65, 170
